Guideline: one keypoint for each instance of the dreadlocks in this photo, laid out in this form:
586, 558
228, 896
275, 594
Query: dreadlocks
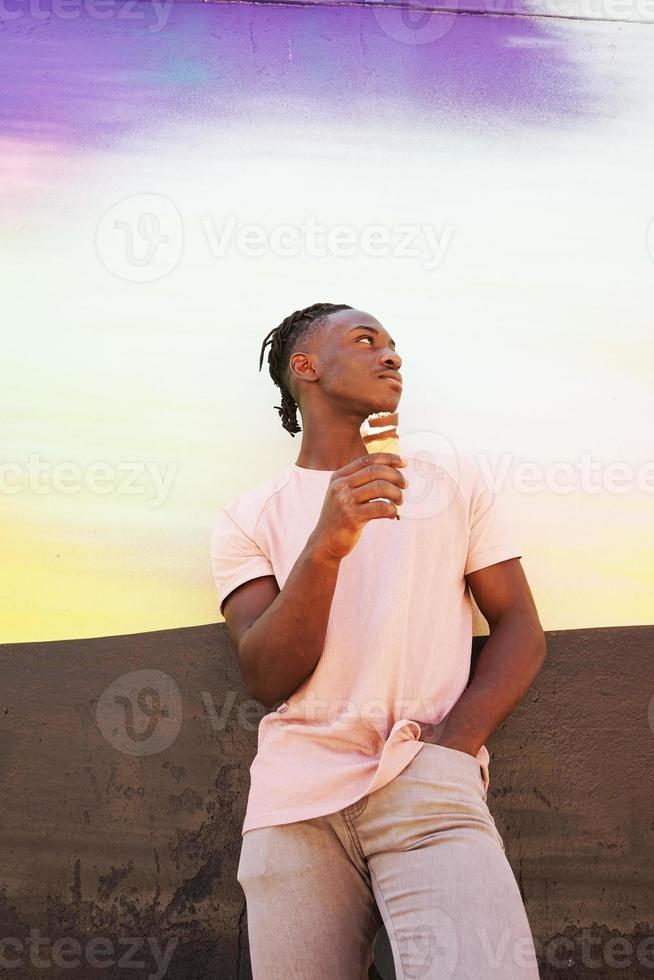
283, 340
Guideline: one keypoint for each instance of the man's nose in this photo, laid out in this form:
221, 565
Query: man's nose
392, 359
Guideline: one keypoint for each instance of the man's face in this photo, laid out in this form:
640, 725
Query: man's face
352, 352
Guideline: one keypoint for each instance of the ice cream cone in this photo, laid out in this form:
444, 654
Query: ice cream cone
383, 438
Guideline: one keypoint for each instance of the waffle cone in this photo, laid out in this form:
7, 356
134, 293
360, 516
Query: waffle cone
383, 438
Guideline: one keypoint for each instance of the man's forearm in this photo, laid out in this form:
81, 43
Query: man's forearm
508, 663
283, 646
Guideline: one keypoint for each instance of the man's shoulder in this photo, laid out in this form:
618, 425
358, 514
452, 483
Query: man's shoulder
246, 508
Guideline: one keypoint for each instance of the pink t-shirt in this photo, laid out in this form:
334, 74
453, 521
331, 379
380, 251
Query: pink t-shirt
399, 637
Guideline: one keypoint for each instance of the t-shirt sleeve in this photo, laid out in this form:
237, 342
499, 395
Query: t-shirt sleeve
235, 557
490, 533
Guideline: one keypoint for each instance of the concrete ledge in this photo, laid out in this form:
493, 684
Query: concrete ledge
120, 823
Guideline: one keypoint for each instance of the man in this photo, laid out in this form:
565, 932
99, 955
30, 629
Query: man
368, 792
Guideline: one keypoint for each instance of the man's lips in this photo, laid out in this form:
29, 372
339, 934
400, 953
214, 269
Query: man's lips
393, 376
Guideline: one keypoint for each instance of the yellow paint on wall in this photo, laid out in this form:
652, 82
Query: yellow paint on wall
588, 560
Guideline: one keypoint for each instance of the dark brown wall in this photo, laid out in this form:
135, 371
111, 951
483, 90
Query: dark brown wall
98, 842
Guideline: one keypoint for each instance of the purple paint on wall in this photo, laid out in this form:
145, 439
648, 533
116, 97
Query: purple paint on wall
88, 82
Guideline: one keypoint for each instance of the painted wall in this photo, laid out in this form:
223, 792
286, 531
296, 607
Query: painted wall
177, 178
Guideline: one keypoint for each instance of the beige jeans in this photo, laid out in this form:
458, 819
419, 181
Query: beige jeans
421, 857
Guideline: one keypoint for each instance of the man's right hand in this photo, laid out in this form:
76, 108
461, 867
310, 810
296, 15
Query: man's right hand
349, 502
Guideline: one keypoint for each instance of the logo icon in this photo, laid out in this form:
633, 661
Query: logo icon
140, 239
141, 712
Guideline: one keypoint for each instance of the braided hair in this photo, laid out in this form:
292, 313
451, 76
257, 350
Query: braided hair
283, 340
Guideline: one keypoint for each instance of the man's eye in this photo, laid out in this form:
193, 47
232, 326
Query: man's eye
365, 337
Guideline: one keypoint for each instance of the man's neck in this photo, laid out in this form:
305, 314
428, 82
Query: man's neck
330, 450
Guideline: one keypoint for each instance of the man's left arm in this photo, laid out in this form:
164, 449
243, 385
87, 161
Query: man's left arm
509, 661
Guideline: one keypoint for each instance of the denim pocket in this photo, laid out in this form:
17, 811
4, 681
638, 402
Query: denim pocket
459, 752
464, 757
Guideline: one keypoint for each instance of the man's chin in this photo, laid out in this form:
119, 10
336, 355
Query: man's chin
389, 404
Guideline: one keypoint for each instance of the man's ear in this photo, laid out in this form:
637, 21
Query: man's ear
302, 366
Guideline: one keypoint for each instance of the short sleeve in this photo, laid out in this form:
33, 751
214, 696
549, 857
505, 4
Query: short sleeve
235, 557
490, 533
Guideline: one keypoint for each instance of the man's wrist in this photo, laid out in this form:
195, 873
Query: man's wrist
439, 735
462, 744
317, 551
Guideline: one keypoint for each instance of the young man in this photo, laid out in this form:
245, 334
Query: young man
367, 802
